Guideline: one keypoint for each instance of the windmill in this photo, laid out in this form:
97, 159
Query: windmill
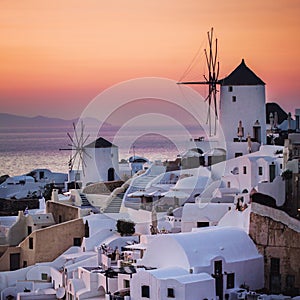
78, 142
211, 80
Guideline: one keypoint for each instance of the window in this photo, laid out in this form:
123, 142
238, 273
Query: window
171, 293
230, 89
275, 266
237, 154
260, 171
228, 184
126, 283
290, 281
244, 170
44, 276
233, 98
30, 243
202, 224
146, 291
29, 230
77, 242
230, 280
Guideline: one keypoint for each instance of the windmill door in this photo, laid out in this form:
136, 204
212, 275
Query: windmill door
111, 174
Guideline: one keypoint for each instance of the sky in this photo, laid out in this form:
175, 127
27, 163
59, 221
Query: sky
57, 55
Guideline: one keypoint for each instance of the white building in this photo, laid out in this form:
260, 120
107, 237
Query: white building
203, 214
31, 184
260, 170
225, 255
173, 282
101, 159
13, 232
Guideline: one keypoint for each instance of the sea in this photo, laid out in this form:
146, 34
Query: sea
25, 149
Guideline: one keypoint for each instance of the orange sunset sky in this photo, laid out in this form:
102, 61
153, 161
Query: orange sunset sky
57, 55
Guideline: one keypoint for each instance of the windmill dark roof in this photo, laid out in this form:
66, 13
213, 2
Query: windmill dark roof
242, 75
100, 143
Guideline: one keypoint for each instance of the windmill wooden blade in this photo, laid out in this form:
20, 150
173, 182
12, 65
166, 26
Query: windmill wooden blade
81, 162
211, 80
69, 135
87, 154
76, 136
87, 137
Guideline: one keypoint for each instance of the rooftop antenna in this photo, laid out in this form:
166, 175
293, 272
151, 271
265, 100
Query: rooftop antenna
211, 79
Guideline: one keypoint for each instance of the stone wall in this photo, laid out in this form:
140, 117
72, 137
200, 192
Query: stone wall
48, 243
62, 212
277, 237
5, 258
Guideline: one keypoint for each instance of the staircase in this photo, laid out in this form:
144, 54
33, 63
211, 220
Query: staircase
115, 204
84, 200
139, 184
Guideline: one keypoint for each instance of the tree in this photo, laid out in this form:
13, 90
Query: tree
125, 227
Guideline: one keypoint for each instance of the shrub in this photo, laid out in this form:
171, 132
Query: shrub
125, 227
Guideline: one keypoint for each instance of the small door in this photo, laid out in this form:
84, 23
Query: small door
272, 169
275, 276
111, 174
218, 278
257, 133
14, 261
86, 230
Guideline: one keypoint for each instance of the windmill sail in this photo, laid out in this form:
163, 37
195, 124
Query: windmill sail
77, 145
211, 80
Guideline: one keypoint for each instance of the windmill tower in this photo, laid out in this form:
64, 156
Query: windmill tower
242, 110
211, 79
102, 161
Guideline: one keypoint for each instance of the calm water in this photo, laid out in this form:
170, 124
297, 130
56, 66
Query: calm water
25, 149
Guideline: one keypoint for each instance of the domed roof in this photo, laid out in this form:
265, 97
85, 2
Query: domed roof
198, 249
